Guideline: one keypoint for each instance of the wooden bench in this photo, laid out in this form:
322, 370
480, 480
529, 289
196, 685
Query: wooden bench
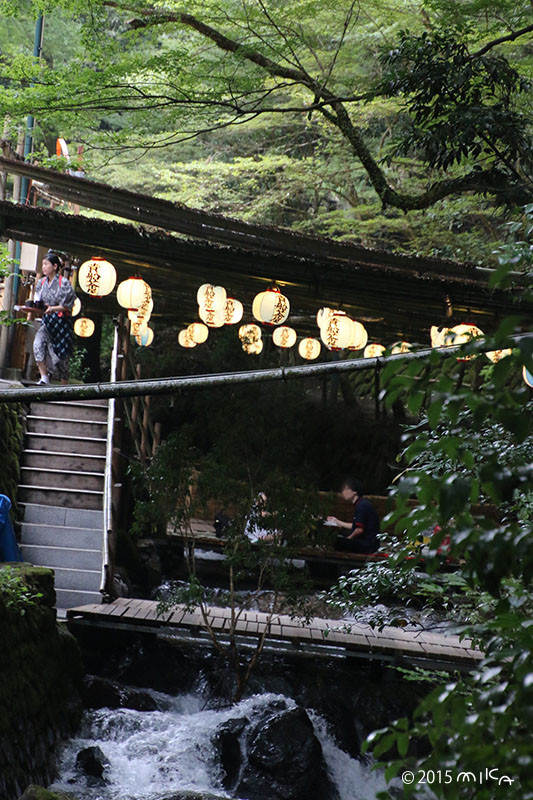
203, 536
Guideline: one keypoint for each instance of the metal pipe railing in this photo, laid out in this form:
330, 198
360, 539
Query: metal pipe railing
156, 386
108, 476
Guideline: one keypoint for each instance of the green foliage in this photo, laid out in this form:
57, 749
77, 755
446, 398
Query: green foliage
460, 107
160, 80
11, 433
15, 593
77, 371
475, 443
164, 488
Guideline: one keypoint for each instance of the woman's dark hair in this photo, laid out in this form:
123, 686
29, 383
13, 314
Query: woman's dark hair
53, 259
354, 484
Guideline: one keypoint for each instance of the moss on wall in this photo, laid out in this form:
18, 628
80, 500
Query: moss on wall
40, 679
11, 435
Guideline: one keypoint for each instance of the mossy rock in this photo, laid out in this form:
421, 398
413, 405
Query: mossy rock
40, 579
11, 433
38, 793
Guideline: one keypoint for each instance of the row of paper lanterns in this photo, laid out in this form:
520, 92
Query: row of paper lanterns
97, 277
337, 330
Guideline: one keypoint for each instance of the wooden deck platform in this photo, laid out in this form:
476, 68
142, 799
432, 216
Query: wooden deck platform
320, 636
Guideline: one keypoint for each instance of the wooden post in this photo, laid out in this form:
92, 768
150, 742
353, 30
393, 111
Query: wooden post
3, 174
376, 392
135, 404
144, 432
157, 438
125, 349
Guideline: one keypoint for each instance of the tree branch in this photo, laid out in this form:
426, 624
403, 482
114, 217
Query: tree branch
495, 42
330, 106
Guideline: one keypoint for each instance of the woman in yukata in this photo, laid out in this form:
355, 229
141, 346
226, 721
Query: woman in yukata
54, 341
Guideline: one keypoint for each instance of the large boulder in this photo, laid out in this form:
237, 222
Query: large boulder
34, 792
102, 693
227, 740
92, 761
285, 760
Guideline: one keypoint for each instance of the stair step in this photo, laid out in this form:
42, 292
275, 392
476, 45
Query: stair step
63, 516
61, 479
96, 401
86, 580
65, 557
70, 598
61, 535
60, 443
72, 462
66, 427
70, 498
66, 410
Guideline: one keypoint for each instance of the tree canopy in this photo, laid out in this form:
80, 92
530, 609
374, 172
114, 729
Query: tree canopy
445, 84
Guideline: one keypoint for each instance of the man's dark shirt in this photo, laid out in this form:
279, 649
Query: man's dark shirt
365, 516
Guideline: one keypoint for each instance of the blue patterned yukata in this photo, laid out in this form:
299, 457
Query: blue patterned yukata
54, 341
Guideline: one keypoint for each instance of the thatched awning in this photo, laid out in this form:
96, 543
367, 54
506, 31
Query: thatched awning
397, 297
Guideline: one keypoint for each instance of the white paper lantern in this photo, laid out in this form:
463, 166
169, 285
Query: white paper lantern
461, 334
400, 348
250, 333
233, 311
359, 336
497, 355
132, 293
323, 315
213, 317
438, 335
145, 339
212, 297
143, 312
198, 332
184, 339
284, 336
138, 327
309, 348
271, 307
76, 308
97, 277
253, 348
373, 350
336, 333
84, 327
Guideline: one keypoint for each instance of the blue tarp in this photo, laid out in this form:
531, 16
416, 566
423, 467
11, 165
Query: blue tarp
9, 549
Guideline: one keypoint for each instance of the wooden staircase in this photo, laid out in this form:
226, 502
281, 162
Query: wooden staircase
62, 494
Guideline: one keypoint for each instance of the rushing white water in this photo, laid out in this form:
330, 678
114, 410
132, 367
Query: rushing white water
153, 754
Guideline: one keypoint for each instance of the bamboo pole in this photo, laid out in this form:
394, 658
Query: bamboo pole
174, 385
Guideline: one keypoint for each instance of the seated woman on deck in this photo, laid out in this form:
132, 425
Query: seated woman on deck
254, 528
362, 534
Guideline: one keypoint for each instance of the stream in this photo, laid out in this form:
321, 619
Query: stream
153, 755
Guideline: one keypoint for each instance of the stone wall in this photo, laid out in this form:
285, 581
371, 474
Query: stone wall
11, 434
40, 678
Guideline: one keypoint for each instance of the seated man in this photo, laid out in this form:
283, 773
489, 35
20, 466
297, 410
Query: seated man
362, 533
